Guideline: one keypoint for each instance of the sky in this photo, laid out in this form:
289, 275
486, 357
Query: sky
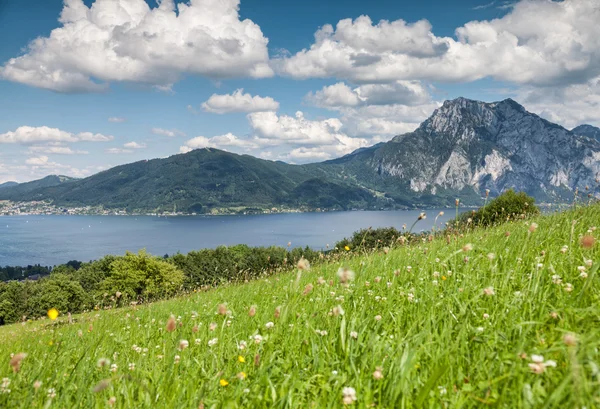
88, 85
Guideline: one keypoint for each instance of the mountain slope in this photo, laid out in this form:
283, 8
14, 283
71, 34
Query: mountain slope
8, 184
587, 130
19, 191
468, 146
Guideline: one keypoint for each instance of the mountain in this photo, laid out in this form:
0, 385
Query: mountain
202, 180
462, 149
587, 130
468, 146
8, 184
17, 191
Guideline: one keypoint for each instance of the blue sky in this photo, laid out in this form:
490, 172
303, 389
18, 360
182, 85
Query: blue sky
118, 81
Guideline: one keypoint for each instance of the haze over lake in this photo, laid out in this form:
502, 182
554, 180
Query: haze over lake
52, 240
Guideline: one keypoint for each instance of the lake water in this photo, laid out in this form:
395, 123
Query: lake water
52, 240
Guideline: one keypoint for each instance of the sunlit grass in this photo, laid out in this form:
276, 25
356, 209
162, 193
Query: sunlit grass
507, 317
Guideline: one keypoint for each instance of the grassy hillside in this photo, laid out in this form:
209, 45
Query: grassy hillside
455, 322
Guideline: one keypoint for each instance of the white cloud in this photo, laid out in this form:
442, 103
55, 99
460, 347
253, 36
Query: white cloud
116, 119
56, 150
126, 40
341, 95
220, 142
37, 161
171, 133
538, 42
117, 151
134, 145
29, 135
239, 102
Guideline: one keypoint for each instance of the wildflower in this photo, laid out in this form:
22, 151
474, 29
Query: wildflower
252, 311
112, 400
4, 386
554, 315
348, 395
583, 275
367, 283
347, 248
213, 342
307, 289
102, 362
434, 282
52, 393
118, 294
338, 310
538, 366
242, 345
588, 262
378, 374
278, 312
183, 344
132, 367
241, 359
440, 214
422, 216
533, 227
103, 384
53, 313
176, 359
489, 291
581, 268
378, 318
570, 339
354, 334
223, 382
568, 287
37, 385
486, 316
171, 324
377, 279
564, 249
303, 264
222, 309
321, 281
241, 376
556, 279
269, 325
467, 247
113, 368
258, 339
587, 241
15, 361
386, 250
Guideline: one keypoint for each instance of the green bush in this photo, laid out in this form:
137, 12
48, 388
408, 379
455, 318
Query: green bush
508, 206
370, 239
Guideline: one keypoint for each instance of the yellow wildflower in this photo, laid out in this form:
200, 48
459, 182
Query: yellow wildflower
241, 359
223, 382
346, 248
53, 313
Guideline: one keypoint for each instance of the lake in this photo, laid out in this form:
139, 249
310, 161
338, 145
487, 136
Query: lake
52, 240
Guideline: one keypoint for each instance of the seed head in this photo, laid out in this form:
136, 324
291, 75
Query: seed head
15, 361
171, 324
587, 241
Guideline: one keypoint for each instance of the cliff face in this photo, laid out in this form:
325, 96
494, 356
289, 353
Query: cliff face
472, 145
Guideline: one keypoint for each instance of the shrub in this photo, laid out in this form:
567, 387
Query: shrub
370, 239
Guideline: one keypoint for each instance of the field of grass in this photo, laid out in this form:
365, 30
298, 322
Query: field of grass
507, 317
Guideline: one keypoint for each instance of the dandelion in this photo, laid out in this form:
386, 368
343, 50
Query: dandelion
102, 362
570, 339
378, 374
347, 248
538, 366
303, 264
241, 359
489, 291
213, 342
53, 313
52, 393
183, 344
15, 361
348, 395
252, 311
171, 324
223, 382
354, 334
587, 241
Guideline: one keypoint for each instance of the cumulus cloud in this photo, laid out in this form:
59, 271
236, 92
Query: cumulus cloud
39, 166
126, 40
116, 119
117, 151
220, 142
538, 42
239, 102
29, 135
55, 150
134, 145
171, 133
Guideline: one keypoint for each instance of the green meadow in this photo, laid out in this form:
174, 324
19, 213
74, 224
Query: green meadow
503, 317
